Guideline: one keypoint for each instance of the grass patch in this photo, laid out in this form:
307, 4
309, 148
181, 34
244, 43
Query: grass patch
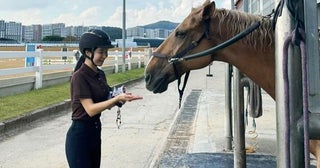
13, 106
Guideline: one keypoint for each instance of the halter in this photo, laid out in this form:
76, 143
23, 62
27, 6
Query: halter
193, 45
179, 57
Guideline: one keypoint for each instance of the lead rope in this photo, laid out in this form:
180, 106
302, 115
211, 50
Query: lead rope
118, 120
183, 87
293, 40
179, 81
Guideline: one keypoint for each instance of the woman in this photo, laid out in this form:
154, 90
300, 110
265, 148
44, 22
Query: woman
90, 95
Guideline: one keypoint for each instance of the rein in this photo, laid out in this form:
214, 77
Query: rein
218, 47
179, 57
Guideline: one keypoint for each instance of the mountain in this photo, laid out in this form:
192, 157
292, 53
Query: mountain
113, 32
161, 25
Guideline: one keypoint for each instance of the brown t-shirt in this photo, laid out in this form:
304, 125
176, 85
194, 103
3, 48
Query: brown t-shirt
86, 83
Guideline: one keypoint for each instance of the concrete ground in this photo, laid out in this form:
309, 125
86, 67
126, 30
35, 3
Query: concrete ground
203, 143
145, 126
154, 133
206, 140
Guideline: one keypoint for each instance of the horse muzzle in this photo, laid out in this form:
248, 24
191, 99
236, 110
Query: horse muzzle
156, 84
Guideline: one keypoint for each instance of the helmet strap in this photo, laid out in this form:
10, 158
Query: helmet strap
91, 58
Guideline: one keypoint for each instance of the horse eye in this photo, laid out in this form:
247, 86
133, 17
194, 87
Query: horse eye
180, 34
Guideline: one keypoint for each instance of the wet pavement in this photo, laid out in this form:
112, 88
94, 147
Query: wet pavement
154, 132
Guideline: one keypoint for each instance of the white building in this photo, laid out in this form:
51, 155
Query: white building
32, 33
135, 32
59, 29
46, 30
13, 30
2, 28
56, 29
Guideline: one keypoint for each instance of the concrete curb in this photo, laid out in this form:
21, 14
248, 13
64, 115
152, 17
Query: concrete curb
15, 125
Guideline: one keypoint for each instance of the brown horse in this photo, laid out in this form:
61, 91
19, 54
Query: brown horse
255, 58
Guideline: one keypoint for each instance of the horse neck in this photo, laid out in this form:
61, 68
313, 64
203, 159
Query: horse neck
253, 58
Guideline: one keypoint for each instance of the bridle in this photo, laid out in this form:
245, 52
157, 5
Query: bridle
180, 56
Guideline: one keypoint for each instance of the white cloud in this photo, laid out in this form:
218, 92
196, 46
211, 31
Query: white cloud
9, 5
115, 20
151, 13
98, 12
90, 13
26, 17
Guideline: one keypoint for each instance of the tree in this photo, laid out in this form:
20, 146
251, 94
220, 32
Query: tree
52, 38
70, 39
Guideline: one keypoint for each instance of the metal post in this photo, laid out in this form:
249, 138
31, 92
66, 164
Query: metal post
124, 37
228, 103
228, 107
239, 136
239, 131
312, 37
284, 27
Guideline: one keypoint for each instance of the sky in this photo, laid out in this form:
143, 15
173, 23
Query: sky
98, 12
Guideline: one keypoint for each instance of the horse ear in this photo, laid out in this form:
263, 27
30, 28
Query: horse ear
207, 9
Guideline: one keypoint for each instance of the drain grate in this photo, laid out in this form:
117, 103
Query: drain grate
179, 137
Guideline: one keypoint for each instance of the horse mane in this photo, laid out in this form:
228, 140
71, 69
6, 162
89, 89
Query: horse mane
236, 21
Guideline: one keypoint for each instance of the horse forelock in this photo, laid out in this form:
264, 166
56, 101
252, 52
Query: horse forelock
234, 22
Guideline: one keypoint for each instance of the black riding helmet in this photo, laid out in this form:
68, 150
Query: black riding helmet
92, 40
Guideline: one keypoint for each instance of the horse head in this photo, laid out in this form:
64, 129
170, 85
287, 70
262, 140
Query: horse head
190, 36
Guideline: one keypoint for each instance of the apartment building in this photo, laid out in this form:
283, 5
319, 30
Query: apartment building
56, 29
135, 32
148, 33
32, 33
13, 30
2, 28
161, 33
35, 33
46, 30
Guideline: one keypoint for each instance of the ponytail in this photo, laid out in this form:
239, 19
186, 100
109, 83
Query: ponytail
80, 62
83, 58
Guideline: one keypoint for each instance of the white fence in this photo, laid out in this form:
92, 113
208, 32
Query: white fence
58, 60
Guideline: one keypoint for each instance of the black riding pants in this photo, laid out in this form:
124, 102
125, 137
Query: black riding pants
83, 144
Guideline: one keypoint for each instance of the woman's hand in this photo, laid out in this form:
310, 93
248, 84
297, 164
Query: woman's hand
123, 97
